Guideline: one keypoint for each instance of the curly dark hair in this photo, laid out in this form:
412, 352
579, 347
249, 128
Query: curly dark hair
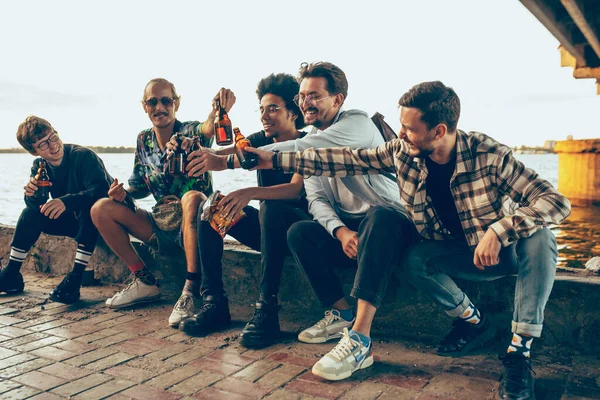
286, 87
438, 103
335, 77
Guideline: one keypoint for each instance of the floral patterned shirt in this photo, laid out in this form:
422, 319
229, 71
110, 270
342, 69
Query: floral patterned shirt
150, 165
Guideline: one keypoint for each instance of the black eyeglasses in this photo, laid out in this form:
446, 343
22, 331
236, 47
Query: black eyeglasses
46, 143
153, 101
300, 99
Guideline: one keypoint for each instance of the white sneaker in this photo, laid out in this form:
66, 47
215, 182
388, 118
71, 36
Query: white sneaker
328, 328
348, 356
184, 309
135, 293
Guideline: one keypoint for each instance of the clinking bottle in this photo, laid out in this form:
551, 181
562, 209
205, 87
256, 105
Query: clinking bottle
247, 160
178, 160
223, 133
43, 181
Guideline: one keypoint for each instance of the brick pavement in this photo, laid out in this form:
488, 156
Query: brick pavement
86, 351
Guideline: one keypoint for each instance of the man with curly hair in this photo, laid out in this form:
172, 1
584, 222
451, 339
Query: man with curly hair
78, 178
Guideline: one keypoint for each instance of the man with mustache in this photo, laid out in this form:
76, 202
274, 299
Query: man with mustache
452, 184
78, 178
116, 217
338, 206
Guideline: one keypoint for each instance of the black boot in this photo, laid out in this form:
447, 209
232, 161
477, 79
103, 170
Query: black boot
465, 336
11, 282
517, 380
212, 315
67, 291
263, 329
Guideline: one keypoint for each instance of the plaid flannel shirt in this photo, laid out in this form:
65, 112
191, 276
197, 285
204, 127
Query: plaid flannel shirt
486, 173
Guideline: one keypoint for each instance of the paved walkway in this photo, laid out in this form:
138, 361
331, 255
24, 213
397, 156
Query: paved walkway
86, 351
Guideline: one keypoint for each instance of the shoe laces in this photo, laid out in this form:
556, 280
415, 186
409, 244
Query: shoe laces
345, 346
327, 320
130, 286
183, 303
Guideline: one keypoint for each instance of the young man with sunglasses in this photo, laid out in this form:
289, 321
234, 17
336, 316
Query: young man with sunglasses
78, 178
341, 208
453, 184
117, 218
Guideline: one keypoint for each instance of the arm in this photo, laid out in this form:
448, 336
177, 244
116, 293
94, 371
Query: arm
320, 207
540, 203
94, 181
137, 186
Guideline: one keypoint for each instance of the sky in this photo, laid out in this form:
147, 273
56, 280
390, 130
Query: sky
83, 65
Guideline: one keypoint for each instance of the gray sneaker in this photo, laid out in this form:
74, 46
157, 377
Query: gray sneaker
330, 327
184, 309
348, 356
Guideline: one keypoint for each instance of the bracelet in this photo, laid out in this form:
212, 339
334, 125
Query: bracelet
230, 162
275, 160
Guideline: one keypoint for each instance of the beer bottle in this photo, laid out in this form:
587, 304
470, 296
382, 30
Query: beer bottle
222, 124
196, 146
178, 160
247, 160
43, 181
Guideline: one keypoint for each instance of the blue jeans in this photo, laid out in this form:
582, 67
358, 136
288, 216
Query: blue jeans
431, 264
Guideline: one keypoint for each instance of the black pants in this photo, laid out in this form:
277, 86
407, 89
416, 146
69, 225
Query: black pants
263, 231
383, 236
32, 223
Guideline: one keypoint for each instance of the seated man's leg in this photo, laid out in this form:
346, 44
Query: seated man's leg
185, 306
383, 236
535, 259
68, 290
276, 217
214, 313
318, 253
30, 225
116, 222
430, 266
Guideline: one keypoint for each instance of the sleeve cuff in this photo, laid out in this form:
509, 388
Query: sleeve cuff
505, 231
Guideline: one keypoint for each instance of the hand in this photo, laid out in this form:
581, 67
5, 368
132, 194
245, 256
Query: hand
204, 160
53, 209
226, 98
117, 192
265, 158
31, 187
172, 145
349, 240
235, 201
487, 251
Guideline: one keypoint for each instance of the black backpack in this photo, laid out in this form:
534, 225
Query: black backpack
388, 135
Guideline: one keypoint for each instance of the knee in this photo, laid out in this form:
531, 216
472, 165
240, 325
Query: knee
415, 263
297, 234
541, 246
190, 202
101, 210
270, 208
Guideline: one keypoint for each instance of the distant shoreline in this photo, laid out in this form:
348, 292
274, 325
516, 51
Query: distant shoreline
97, 149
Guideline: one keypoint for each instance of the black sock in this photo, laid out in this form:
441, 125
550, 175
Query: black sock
17, 256
82, 258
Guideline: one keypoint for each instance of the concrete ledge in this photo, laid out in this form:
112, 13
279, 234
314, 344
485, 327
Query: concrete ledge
572, 313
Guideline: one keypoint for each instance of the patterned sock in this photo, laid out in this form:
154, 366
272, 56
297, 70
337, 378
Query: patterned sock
146, 276
82, 258
520, 345
471, 315
17, 256
192, 284
347, 315
365, 340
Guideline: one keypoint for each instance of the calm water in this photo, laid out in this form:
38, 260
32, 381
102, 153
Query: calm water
578, 237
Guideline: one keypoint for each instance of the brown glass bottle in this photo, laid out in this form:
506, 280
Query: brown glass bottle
223, 133
43, 181
194, 147
247, 160
178, 160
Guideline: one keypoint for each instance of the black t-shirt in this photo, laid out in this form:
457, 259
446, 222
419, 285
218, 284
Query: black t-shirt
438, 190
269, 177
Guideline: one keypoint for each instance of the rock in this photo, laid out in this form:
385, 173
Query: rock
593, 265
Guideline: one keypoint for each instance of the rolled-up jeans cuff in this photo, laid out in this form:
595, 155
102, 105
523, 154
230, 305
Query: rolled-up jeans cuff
366, 295
459, 309
533, 330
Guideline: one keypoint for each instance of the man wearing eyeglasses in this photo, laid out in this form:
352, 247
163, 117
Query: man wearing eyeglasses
78, 178
117, 218
339, 208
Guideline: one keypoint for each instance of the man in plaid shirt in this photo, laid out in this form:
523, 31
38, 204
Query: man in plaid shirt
453, 185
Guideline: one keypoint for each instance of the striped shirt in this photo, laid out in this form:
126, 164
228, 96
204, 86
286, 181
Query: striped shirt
486, 173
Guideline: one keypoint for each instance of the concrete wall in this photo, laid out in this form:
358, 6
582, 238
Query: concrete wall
579, 170
572, 314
